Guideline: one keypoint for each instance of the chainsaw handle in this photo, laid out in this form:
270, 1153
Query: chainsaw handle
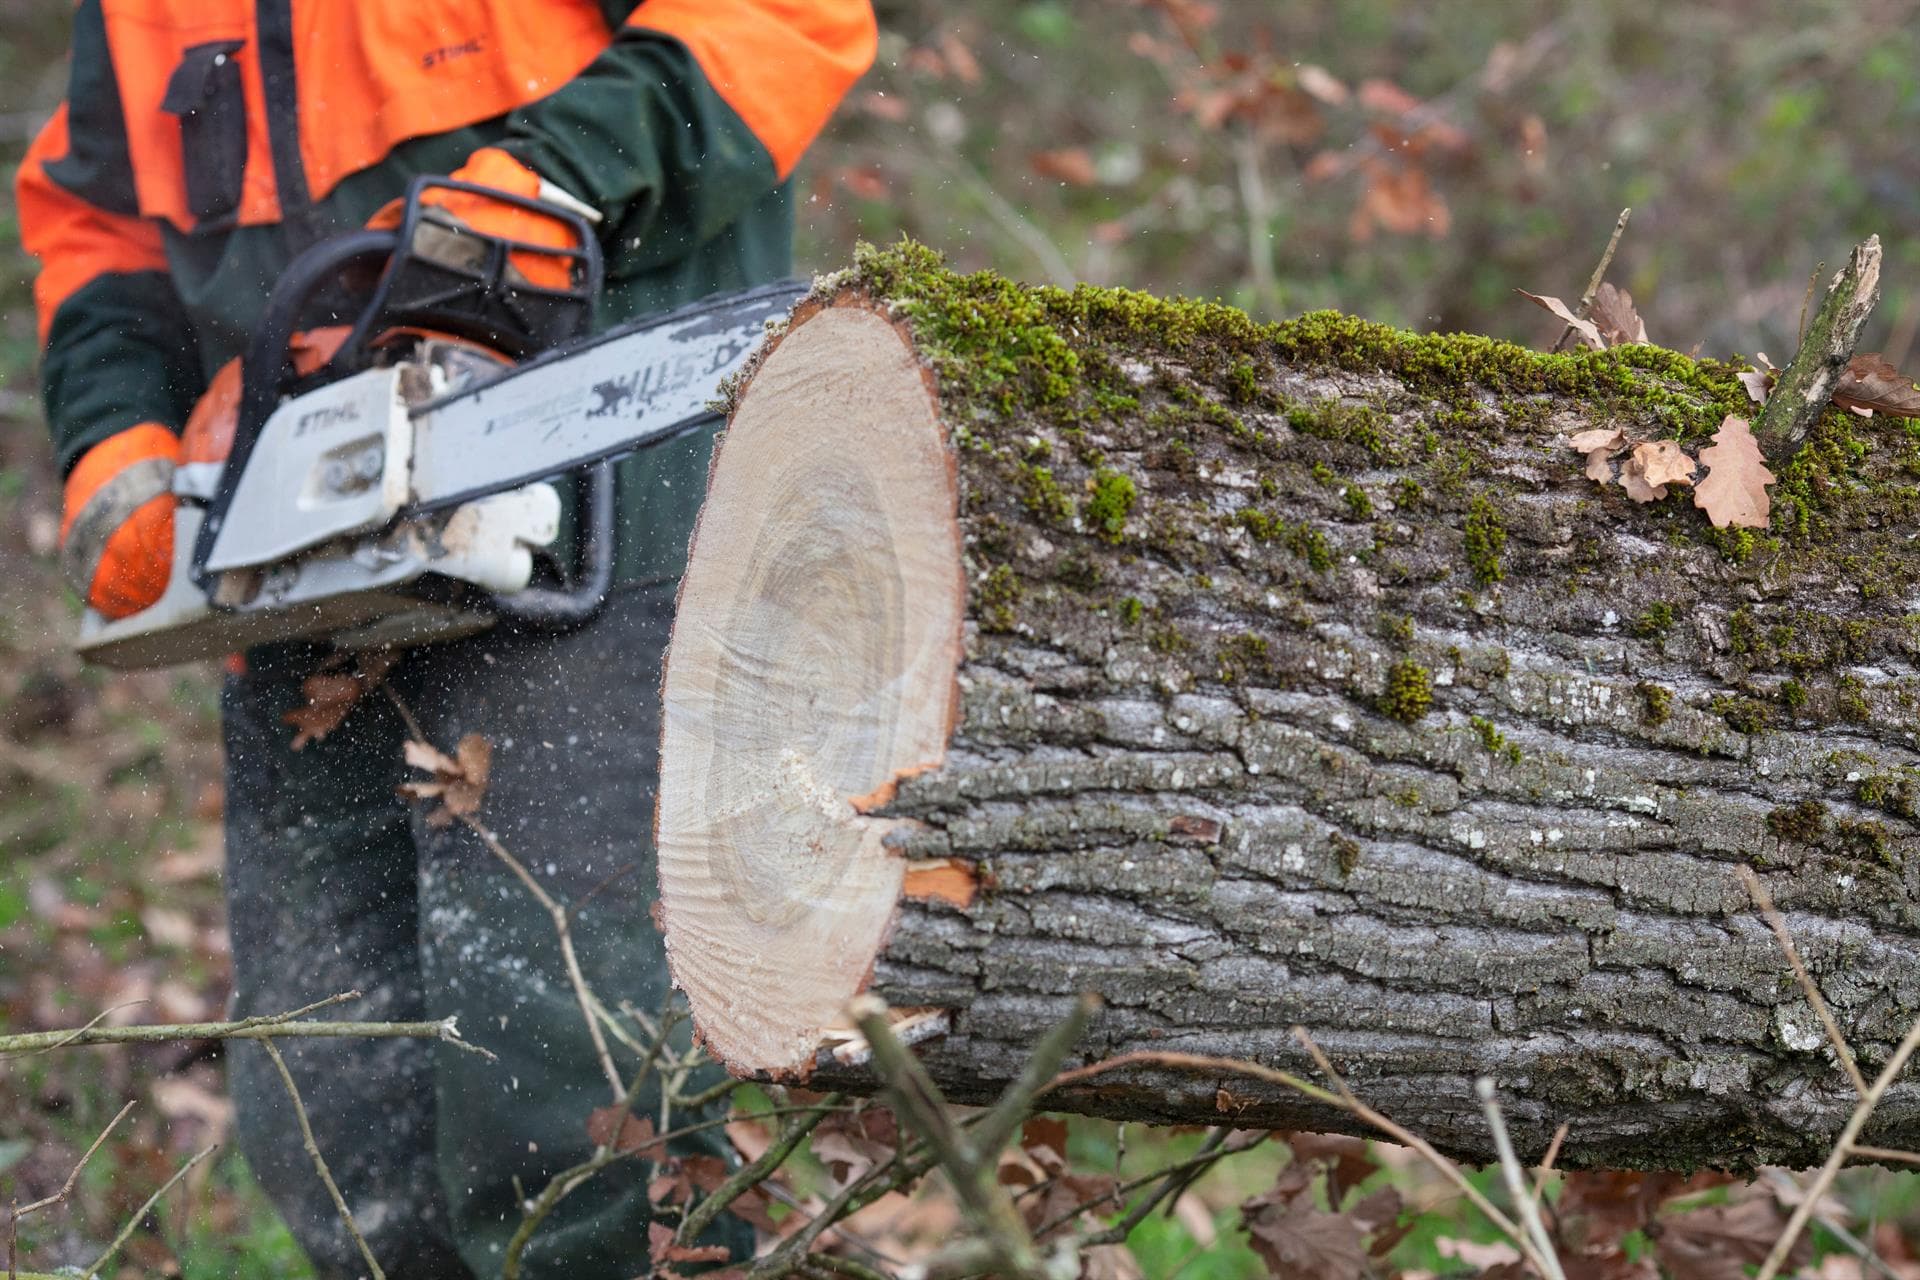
263, 366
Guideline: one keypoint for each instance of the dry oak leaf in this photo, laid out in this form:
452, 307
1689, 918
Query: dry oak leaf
459, 781
330, 694
1664, 462
1870, 384
1613, 315
1717, 1243
1349, 1161
635, 1132
1071, 165
1588, 334
1298, 1240
1734, 493
660, 1237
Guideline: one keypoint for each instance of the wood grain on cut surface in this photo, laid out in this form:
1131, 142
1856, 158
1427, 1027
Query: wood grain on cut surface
801, 679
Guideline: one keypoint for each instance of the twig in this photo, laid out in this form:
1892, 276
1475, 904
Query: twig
1344, 1101
1842, 1148
445, 1029
575, 976
1546, 1162
1776, 922
320, 1161
1806, 384
1885, 1153
46, 1202
1010, 1111
91, 1023
1523, 1201
126, 1232
1178, 1178
1806, 300
969, 1163
755, 1171
1593, 281
1258, 206
1782, 1180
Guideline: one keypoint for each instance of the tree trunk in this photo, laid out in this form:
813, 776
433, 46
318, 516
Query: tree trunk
1250, 676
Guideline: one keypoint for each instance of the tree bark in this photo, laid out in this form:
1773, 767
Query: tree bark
1249, 676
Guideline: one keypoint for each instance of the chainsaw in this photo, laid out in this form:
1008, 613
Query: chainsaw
387, 470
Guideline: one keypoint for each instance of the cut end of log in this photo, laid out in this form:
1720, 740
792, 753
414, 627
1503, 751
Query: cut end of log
812, 668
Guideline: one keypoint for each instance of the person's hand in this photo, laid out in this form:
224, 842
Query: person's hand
493, 168
116, 530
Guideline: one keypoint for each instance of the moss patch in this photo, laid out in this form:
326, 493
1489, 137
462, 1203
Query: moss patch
1409, 692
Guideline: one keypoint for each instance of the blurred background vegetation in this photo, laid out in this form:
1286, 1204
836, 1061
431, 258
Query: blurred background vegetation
1414, 163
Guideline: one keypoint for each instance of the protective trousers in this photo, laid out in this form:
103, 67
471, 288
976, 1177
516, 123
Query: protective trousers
336, 882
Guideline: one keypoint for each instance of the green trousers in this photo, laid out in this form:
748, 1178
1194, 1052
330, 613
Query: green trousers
335, 882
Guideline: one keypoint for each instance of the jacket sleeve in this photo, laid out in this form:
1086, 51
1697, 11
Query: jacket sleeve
696, 110
116, 347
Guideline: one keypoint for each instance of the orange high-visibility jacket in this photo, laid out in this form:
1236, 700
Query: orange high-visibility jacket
204, 142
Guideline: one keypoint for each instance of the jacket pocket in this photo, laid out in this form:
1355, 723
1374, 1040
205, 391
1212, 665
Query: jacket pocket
206, 94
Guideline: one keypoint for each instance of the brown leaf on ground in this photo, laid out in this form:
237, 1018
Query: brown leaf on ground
1664, 462
1716, 1243
1298, 1240
1318, 82
1400, 200
1613, 315
1608, 438
851, 1143
1759, 384
1109, 1262
1633, 478
1378, 1215
459, 781
1734, 493
1870, 384
1349, 1161
1071, 165
1600, 466
660, 1238
1600, 1208
1588, 334
635, 1134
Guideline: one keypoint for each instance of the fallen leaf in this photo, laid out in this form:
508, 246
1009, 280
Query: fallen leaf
1633, 478
1322, 84
1299, 1240
1600, 466
331, 694
1613, 315
1588, 334
1664, 462
1608, 438
1716, 1243
1071, 165
1758, 384
1734, 493
1870, 384
1349, 1161
660, 1238
459, 781
636, 1132
1387, 97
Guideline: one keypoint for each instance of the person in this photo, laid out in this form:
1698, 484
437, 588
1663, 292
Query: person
201, 145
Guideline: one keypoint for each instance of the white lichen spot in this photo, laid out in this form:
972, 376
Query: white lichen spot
1342, 722
1536, 836
1845, 883
1610, 619
1555, 835
1797, 1035
1293, 858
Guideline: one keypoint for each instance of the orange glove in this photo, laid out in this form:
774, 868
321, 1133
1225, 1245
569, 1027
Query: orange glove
492, 167
116, 534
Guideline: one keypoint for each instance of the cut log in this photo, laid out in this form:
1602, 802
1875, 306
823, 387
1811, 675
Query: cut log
1249, 676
